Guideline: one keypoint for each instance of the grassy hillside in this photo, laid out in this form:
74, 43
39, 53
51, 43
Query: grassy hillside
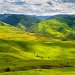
32, 53
59, 26
8, 28
19, 52
42, 72
52, 27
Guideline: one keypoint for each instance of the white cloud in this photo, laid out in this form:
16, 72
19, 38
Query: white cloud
37, 7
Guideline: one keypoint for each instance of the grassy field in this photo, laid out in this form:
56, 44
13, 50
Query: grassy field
25, 51
41, 72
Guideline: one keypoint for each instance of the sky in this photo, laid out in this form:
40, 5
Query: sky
37, 7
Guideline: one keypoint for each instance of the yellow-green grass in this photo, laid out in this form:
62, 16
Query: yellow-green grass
43, 50
23, 52
43, 72
8, 28
20, 51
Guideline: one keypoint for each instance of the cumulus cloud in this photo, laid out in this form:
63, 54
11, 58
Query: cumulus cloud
37, 7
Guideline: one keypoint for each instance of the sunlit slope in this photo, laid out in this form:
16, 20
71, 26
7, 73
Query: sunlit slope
20, 49
32, 46
43, 72
53, 27
62, 26
16, 53
38, 50
6, 28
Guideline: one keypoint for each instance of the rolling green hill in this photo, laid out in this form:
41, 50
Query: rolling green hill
23, 52
20, 53
59, 26
53, 27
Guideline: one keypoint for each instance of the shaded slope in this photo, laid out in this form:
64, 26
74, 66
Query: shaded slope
68, 19
18, 19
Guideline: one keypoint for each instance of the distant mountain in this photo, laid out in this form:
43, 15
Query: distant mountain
17, 19
69, 19
2, 16
45, 17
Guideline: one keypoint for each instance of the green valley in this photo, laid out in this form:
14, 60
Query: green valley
47, 48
